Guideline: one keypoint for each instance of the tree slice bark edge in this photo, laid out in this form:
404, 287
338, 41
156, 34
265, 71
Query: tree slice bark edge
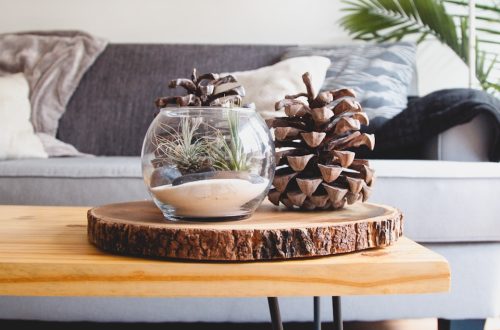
243, 245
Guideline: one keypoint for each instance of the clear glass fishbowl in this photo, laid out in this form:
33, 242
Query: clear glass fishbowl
208, 163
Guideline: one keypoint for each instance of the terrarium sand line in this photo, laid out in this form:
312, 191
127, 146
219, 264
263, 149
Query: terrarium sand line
210, 198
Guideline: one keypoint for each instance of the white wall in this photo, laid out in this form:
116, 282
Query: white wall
215, 21
182, 21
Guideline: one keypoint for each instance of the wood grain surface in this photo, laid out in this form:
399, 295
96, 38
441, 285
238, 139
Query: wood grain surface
44, 251
139, 228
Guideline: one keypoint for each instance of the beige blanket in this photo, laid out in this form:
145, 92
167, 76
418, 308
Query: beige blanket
54, 63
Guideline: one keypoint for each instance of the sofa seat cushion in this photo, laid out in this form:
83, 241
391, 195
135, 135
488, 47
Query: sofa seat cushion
442, 201
71, 181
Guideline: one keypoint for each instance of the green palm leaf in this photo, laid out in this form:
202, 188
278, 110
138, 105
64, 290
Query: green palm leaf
393, 20
383, 20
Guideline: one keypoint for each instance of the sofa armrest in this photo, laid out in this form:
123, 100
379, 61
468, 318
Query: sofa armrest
468, 142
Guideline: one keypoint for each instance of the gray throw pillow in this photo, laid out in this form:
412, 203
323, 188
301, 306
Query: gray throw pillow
380, 74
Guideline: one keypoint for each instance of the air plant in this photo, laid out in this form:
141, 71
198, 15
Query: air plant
183, 147
229, 156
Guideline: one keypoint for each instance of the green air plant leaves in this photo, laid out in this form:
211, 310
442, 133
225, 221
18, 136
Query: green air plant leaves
182, 146
385, 20
230, 155
191, 151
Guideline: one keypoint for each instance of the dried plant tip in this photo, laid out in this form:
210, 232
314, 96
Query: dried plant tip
274, 196
281, 181
299, 163
344, 92
227, 101
355, 185
295, 96
284, 133
162, 102
187, 100
296, 110
346, 105
330, 173
367, 191
187, 84
284, 199
323, 98
313, 139
308, 186
319, 200
307, 79
343, 157
308, 205
346, 124
208, 76
296, 197
352, 198
335, 194
321, 115
362, 117
365, 139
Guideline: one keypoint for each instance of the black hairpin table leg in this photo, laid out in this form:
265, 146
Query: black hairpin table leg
274, 309
317, 314
337, 314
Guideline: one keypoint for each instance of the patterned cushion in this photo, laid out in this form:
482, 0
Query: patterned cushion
380, 74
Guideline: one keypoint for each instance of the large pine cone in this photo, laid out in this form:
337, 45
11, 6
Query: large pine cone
209, 89
316, 167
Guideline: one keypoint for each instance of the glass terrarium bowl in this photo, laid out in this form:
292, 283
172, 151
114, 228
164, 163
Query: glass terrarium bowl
208, 163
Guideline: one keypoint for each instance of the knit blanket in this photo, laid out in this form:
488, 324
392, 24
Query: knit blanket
430, 115
53, 63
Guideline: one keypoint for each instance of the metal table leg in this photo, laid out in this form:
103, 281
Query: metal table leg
337, 314
317, 315
274, 309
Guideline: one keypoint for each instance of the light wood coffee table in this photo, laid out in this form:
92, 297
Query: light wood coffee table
44, 251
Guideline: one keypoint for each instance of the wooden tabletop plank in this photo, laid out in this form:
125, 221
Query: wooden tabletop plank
44, 252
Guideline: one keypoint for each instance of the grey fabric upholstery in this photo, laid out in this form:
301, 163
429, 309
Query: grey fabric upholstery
71, 181
113, 106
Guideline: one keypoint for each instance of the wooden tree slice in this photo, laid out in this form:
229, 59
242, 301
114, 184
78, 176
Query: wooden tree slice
139, 229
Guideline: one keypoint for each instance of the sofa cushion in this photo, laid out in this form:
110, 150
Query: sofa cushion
380, 74
266, 85
17, 137
112, 107
469, 142
441, 201
71, 181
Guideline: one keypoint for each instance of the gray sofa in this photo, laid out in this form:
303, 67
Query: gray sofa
451, 203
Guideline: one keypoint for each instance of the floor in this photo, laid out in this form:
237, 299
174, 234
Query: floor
423, 324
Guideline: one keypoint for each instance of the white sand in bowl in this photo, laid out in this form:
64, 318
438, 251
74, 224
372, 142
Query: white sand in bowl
210, 198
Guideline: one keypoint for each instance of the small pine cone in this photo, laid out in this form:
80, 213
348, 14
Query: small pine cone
316, 168
209, 89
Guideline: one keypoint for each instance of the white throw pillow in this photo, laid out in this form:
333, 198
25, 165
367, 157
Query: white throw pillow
267, 85
17, 138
